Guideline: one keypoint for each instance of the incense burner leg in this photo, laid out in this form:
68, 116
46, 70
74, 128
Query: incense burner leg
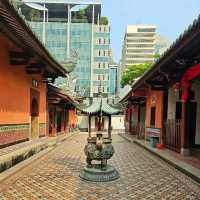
89, 162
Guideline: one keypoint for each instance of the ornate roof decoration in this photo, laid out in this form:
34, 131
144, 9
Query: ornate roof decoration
98, 106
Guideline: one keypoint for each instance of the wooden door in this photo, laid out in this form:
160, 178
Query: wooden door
192, 112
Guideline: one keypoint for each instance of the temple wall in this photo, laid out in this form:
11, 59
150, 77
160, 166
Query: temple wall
15, 101
83, 123
118, 123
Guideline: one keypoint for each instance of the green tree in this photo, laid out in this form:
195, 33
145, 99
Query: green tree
34, 15
104, 21
156, 56
81, 14
132, 72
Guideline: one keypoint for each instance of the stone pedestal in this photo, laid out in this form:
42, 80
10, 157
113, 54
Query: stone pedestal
97, 174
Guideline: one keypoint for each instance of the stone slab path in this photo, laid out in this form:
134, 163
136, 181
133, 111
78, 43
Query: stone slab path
55, 176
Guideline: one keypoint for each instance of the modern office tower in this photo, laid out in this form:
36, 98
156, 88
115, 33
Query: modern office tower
113, 79
138, 45
102, 58
74, 29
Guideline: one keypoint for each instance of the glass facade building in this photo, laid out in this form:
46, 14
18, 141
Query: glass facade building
113, 72
85, 38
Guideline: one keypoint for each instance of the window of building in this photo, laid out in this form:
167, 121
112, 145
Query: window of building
104, 41
99, 40
99, 53
99, 28
99, 77
104, 65
35, 83
146, 29
153, 116
99, 65
103, 77
103, 89
99, 89
104, 53
109, 41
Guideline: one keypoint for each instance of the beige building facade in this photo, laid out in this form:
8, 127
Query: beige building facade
138, 45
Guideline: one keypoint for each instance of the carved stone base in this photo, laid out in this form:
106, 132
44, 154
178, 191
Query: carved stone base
96, 174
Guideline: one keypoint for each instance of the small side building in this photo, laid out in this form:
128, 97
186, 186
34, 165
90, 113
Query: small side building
61, 111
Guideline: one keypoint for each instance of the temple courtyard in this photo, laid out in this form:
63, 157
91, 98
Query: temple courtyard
55, 176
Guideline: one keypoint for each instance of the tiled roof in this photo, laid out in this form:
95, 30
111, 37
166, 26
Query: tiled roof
13, 23
100, 105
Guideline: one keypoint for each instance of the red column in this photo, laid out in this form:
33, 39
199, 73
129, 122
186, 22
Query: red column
54, 132
130, 119
185, 151
62, 123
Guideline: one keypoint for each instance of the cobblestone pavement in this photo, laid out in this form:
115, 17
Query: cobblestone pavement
55, 176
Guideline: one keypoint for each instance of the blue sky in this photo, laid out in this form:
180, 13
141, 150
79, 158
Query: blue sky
171, 17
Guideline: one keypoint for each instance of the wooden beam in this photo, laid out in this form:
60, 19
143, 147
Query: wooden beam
18, 58
158, 87
33, 71
36, 65
35, 68
53, 101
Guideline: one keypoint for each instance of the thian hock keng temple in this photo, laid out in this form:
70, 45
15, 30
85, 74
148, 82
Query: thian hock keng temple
99, 147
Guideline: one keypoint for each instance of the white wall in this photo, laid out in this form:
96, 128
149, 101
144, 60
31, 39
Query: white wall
83, 121
117, 122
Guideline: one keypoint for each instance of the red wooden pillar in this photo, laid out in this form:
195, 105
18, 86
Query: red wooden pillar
130, 119
66, 121
62, 123
185, 151
138, 120
163, 110
54, 123
139, 111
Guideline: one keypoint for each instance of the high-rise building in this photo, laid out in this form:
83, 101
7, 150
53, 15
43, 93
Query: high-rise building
113, 79
74, 29
138, 45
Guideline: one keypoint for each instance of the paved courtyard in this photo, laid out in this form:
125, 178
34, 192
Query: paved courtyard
55, 176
